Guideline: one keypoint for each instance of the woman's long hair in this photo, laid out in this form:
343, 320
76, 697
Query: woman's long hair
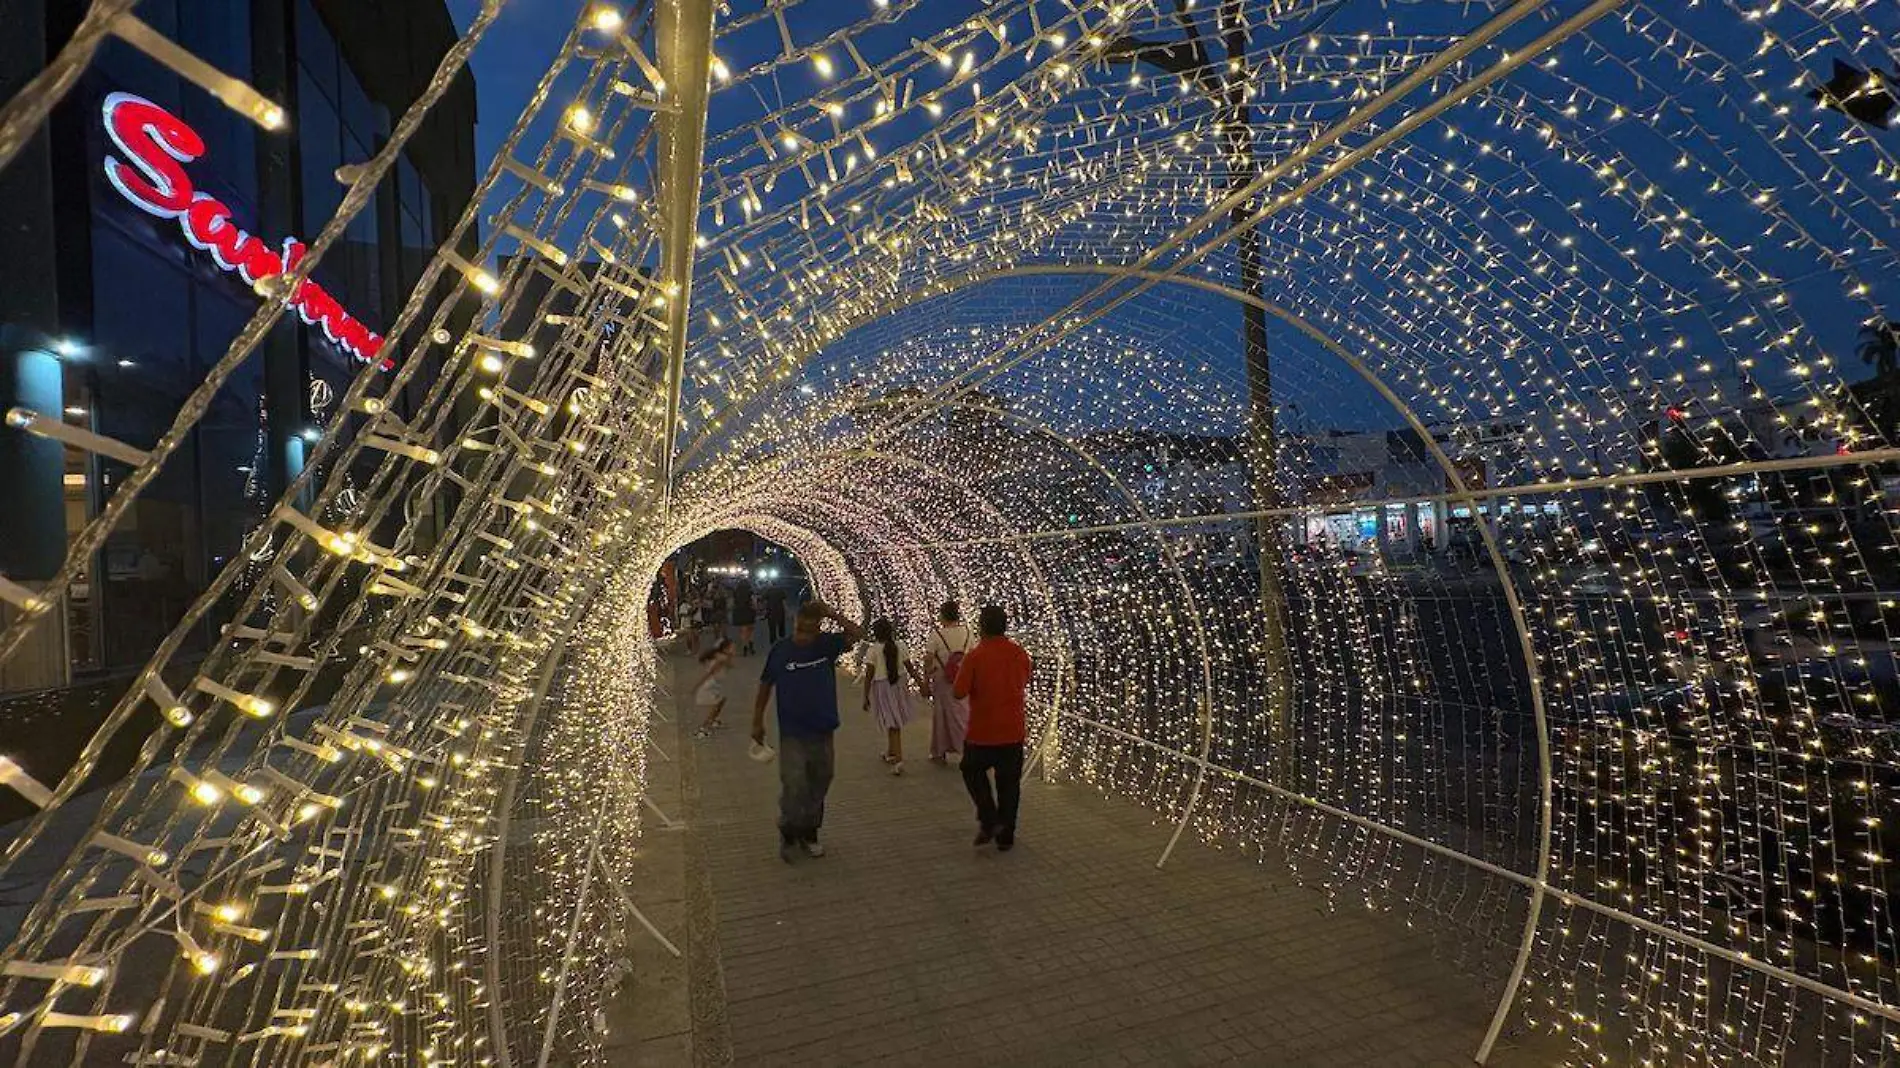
719, 646
884, 633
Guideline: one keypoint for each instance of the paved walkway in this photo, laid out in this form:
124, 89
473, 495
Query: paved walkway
907, 945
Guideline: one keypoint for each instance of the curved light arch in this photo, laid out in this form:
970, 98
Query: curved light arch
1460, 491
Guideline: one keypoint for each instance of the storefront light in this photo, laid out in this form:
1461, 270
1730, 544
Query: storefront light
68, 349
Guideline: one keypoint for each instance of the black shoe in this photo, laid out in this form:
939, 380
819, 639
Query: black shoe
984, 835
787, 848
1006, 839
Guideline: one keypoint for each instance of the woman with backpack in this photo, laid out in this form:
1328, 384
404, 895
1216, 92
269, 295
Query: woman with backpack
885, 694
950, 716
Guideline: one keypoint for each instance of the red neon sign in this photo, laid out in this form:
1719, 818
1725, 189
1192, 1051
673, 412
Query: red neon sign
158, 144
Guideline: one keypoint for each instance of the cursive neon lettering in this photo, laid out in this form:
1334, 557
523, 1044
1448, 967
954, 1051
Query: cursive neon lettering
157, 145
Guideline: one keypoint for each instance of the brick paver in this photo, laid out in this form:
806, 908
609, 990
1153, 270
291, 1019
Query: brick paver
906, 945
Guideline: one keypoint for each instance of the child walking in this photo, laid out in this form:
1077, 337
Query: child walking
710, 692
884, 693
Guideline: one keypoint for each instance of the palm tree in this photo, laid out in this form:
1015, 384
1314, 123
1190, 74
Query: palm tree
1879, 346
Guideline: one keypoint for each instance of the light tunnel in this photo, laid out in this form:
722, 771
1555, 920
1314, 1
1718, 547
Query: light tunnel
1443, 450
945, 514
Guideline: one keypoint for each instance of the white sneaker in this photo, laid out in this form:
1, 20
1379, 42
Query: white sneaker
897, 767
814, 849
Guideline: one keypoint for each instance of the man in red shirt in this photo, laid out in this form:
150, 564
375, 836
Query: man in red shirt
994, 677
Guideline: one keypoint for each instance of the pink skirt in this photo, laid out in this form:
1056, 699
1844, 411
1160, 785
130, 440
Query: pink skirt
949, 719
890, 705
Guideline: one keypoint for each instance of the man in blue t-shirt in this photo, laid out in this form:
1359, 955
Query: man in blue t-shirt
803, 670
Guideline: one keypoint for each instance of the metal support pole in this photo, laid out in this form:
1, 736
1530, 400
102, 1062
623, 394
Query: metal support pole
1200, 778
684, 41
667, 823
498, 856
627, 900
573, 936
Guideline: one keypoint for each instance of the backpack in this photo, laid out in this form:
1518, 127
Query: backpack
955, 663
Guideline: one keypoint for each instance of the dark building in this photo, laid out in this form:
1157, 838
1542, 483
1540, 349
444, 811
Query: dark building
114, 302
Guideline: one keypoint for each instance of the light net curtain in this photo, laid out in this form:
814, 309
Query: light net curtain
976, 315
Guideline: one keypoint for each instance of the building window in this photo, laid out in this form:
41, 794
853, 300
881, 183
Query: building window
337, 124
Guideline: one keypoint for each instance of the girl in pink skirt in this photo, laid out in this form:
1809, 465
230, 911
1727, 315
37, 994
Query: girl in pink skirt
885, 695
950, 717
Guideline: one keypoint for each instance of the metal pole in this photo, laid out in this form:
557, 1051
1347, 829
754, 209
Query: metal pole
498, 856
573, 936
1200, 777
684, 39
627, 900
667, 823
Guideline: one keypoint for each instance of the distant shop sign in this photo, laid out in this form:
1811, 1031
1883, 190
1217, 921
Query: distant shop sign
156, 145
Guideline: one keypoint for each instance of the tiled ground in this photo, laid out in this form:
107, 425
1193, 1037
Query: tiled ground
907, 946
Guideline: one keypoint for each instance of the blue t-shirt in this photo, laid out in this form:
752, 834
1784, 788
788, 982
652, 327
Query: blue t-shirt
806, 681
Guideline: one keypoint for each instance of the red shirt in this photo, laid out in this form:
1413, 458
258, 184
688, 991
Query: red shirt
994, 676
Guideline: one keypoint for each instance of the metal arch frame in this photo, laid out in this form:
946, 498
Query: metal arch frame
1050, 726
1071, 316
1047, 590
1538, 886
1193, 606
1460, 491
1187, 592
699, 529
1044, 588
683, 40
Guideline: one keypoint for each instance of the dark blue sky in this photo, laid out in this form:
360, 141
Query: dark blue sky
511, 59
1686, 116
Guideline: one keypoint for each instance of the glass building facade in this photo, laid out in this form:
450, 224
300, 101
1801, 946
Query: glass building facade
144, 315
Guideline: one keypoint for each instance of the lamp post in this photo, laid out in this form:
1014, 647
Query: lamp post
1223, 85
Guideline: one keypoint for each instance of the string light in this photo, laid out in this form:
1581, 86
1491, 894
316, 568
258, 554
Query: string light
966, 322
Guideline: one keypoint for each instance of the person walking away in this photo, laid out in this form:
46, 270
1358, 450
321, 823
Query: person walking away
950, 642
994, 678
885, 695
709, 692
758, 619
742, 616
775, 613
710, 620
689, 625
802, 671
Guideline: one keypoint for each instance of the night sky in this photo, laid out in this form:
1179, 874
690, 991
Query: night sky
516, 52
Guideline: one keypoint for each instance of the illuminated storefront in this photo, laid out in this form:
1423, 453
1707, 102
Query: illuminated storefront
171, 209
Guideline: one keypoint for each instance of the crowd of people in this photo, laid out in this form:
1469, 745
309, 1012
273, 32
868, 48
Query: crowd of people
974, 682
742, 615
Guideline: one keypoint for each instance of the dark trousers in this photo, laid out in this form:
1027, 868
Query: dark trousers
994, 809
804, 778
775, 623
